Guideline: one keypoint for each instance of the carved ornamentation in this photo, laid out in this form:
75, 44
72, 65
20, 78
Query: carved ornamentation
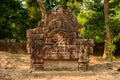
58, 39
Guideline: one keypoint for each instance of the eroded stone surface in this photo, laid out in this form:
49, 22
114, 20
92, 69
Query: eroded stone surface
56, 38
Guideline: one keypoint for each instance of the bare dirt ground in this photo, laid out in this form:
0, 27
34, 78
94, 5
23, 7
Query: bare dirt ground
17, 67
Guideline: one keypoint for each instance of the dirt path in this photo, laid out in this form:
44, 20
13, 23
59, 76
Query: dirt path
16, 67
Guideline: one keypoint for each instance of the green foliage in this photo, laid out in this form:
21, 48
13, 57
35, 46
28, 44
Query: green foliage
92, 17
115, 20
10, 11
72, 5
33, 12
16, 18
111, 49
50, 4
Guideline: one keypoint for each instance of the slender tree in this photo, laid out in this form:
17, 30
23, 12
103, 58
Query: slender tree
107, 51
43, 11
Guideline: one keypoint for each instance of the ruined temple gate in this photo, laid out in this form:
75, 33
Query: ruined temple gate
56, 41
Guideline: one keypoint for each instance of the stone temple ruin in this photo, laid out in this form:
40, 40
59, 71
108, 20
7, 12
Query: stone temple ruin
55, 43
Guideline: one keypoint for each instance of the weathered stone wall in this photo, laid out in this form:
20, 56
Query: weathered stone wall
12, 46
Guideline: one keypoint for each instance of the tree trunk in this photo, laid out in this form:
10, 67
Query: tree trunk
107, 29
43, 11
